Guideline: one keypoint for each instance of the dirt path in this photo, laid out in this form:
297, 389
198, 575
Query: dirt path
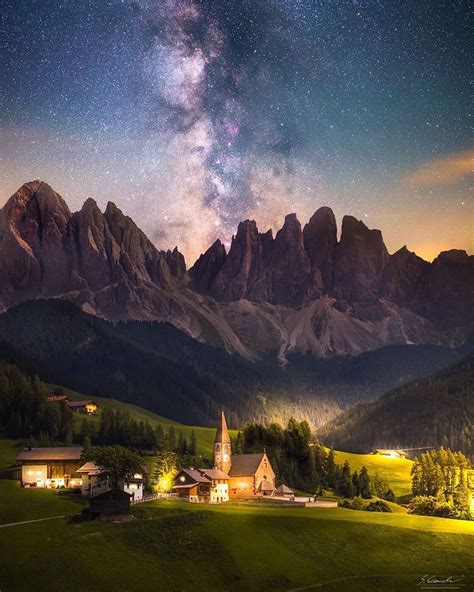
30, 521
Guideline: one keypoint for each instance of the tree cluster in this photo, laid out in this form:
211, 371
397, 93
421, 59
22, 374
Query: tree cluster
303, 463
25, 411
440, 484
117, 427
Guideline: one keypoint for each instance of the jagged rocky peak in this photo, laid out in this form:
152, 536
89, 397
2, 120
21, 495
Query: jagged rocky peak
176, 263
360, 258
204, 271
37, 207
290, 232
89, 256
320, 240
401, 274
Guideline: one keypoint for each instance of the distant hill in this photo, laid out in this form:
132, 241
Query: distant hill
434, 411
158, 367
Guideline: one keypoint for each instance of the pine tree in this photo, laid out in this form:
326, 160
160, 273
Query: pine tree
364, 484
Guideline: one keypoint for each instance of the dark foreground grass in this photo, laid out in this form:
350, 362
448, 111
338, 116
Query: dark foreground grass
18, 504
178, 547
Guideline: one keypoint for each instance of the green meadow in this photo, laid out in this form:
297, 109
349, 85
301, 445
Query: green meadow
395, 470
173, 546
179, 547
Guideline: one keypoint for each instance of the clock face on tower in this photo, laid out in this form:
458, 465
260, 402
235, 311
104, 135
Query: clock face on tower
225, 457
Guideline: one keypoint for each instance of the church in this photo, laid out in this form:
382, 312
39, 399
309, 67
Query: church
234, 475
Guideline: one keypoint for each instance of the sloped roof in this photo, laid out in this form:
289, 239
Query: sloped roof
195, 475
267, 486
112, 495
222, 434
51, 453
214, 473
245, 464
80, 403
187, 486
283, 489
90, 467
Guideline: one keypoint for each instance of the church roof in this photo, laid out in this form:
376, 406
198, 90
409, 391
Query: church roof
222, 434
245, 464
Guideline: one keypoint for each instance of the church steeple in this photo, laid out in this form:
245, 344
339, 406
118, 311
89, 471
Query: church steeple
222, 447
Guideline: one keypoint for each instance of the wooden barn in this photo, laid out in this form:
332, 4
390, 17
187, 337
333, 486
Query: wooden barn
50, 467
110, 504
87, 407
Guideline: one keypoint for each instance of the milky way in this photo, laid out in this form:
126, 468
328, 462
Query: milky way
194, 115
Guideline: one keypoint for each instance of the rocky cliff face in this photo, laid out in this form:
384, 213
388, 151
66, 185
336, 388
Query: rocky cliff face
299, 291
102, 261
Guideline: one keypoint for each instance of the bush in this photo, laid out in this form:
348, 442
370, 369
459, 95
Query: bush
378, 506
389, 496
355, 504
431, 506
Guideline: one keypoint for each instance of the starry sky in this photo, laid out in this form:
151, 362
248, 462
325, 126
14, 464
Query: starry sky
192, 115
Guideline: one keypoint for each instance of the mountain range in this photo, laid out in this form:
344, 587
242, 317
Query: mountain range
300, 291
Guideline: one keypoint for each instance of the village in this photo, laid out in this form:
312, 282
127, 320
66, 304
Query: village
232, 477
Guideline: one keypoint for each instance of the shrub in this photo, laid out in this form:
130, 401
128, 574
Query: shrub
430, 506
389, 496
355, 504
378, 506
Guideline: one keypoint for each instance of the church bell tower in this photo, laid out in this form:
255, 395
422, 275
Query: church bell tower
222, 448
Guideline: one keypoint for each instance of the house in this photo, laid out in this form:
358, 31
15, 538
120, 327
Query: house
50, 467
58, 399
202, 485
233, 475
93, 484
391, 453
110, 504
87, 407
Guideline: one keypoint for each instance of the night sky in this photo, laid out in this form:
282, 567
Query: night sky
194, 115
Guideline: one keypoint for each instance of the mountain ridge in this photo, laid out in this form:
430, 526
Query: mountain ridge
300, 291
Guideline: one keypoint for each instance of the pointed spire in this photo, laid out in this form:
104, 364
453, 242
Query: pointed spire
222, 434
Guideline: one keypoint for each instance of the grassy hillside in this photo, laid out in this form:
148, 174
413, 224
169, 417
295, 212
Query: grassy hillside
395, 470
179, 547
434, 411
204, 436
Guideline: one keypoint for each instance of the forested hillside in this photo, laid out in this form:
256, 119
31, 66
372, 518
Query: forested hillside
158, 367
435, 411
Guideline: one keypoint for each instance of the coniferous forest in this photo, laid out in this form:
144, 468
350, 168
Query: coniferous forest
435, 411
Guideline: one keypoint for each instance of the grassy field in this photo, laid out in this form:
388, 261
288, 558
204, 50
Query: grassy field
395, 470
204, 436
174, 546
